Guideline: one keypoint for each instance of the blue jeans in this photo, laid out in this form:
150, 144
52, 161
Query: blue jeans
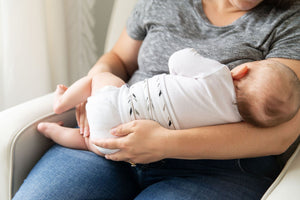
64, 173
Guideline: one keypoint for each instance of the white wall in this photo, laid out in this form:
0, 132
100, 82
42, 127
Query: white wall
71, 39
103, 10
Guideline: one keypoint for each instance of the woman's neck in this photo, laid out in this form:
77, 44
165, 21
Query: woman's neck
223, 6
221, 12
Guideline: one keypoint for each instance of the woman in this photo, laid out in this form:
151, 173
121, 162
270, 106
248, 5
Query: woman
229, 161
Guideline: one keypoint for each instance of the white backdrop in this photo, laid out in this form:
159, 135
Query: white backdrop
43, 43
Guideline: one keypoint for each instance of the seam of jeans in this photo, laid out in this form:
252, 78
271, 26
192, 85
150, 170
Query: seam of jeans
240, 165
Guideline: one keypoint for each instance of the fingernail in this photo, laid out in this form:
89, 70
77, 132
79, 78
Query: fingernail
81, 131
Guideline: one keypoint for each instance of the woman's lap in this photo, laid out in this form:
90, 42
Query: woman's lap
72, 174
65, 173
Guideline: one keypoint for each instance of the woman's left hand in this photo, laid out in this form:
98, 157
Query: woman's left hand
139, 141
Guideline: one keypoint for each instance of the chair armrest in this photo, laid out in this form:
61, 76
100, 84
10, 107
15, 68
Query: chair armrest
286, 186
21, 146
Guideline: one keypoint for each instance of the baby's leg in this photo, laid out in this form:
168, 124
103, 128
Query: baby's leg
67, 137
105, 79
79, 91
102, 109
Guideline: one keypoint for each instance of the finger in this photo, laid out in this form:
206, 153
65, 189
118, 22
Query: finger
124, 129
118, 156
82, 118
78, 117
77, 114
110, 143
86, 128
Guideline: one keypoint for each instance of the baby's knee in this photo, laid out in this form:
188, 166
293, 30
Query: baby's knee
107, 78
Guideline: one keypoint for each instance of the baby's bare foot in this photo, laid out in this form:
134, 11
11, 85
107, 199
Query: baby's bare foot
60, 90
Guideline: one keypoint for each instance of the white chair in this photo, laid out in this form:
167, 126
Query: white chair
21, 146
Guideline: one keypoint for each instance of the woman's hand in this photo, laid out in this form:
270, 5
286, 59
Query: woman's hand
140, 141
82, 120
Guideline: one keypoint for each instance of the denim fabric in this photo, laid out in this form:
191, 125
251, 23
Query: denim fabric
64, 173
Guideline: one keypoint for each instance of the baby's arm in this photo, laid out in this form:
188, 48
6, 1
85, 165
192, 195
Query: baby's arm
79, 91
188, 62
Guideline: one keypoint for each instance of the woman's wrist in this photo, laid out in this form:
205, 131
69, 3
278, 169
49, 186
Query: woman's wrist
170, 144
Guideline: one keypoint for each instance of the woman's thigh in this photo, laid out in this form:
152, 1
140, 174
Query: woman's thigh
202, 187
64, 173
209, 180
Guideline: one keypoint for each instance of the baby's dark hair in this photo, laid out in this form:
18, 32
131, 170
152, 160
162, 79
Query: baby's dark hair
273, 102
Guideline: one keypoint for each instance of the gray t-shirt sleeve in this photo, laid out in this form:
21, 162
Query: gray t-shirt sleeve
286, 39
135, 26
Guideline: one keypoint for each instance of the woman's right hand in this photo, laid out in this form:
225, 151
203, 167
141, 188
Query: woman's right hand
82, 119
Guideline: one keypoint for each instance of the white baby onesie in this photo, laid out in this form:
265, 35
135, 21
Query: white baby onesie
201, 93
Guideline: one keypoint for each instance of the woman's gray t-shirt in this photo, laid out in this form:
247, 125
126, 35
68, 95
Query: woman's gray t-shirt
166, 26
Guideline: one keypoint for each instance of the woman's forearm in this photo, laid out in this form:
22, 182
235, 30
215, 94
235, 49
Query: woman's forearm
121, 60
230, 141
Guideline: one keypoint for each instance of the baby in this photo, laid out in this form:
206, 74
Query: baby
197, 92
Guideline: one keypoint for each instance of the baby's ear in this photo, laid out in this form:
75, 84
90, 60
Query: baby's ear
239, 72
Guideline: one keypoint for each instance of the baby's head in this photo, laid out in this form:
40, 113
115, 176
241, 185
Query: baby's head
267, 92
